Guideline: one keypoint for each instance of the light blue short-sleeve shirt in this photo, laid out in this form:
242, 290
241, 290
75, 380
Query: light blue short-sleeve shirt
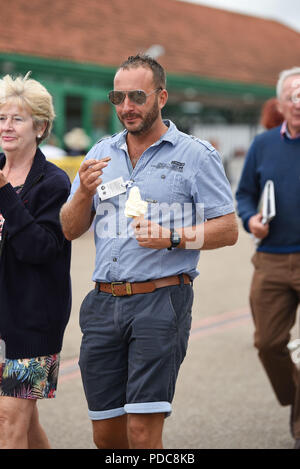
184, 183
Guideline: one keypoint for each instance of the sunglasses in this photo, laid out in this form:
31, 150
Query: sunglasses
136, 96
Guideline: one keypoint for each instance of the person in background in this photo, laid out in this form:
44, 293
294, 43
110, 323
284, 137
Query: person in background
275, 288
35, 291
136, 322
270, 114
77, 142
51, 149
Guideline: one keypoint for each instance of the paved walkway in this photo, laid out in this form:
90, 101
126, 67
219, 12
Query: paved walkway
223, 398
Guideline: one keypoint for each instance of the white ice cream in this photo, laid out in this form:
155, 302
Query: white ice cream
135, 206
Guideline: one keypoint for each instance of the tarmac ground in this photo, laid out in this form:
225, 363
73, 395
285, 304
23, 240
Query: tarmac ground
223, 399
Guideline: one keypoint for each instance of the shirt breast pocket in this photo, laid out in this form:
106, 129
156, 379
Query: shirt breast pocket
166, 185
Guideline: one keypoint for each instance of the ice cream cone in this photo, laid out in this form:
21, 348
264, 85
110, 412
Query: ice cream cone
140, 218
135, 207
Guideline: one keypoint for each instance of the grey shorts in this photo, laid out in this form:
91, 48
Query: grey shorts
132, 348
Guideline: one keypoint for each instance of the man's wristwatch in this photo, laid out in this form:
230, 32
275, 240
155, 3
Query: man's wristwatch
175, 239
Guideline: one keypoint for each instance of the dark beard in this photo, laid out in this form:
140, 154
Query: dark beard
147, 122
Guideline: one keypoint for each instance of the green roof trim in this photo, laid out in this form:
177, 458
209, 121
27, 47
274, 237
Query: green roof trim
213, 85
74, 74
68, 72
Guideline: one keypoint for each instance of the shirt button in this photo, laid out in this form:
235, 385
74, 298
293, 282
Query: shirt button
163, 176
115, 259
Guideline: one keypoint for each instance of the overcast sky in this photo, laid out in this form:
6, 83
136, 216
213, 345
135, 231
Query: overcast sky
287, 11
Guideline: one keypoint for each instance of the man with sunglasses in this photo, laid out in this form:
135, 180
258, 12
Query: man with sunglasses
136, 322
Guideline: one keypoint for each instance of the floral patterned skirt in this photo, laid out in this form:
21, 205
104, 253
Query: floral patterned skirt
30, 378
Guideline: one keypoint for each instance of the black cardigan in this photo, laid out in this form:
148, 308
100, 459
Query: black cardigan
35, 286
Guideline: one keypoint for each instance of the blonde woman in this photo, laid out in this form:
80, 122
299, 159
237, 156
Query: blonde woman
35, 294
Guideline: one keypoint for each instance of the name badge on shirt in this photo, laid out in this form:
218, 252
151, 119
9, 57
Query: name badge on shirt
111, 188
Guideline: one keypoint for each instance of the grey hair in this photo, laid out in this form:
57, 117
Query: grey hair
33, 95
283, 76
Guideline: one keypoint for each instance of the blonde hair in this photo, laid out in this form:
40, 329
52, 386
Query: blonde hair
33, 95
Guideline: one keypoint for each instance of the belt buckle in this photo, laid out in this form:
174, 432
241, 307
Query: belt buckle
112, 287
127, 286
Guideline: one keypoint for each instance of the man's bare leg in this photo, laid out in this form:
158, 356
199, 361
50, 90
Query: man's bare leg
145, 431
111, 433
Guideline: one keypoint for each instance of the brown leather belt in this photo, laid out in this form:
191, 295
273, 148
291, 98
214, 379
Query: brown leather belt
127, 288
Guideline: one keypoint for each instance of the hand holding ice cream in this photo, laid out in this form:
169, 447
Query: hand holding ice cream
148, 234
135, 206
